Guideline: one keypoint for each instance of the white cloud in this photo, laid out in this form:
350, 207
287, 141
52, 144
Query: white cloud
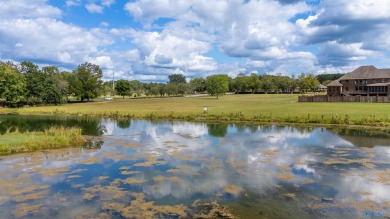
71, 3
339, 54
199, 38
102, 61
165, 50
236, 27
48, 39
348, 32
94, 8
104, 24
27, 9
107, 3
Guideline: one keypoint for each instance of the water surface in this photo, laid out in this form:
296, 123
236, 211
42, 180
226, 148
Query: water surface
145, 169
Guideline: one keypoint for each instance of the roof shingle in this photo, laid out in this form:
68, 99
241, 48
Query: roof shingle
366, 72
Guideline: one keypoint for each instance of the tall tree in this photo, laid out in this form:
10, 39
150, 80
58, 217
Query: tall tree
122, 87
12, 85
55, 86
177, 78
35, 82
88, 81
217, 85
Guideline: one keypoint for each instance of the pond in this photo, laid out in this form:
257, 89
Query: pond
144, 169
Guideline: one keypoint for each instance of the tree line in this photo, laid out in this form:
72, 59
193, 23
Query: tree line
27, 84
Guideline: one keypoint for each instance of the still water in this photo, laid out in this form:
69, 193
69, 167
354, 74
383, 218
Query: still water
143, 169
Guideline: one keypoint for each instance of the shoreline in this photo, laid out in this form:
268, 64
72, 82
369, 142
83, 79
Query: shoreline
222, 118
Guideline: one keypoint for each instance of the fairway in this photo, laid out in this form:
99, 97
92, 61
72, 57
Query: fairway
270, 107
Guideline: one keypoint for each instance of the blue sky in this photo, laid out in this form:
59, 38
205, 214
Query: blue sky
148, 40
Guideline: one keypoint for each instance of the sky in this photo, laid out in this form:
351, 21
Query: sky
147, 40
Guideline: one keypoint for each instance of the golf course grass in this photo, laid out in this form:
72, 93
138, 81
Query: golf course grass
275, 108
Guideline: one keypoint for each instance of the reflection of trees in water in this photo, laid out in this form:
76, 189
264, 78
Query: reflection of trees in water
123, 123
93, 144
241, 127
360, 132
89, 126
217, 129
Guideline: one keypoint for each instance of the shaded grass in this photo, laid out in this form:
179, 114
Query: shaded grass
275, 108
54, 137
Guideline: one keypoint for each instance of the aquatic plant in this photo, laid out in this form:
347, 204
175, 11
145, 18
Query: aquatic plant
51, 138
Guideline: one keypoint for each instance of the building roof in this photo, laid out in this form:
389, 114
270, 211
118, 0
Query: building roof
335, 83
366, 72
321, 86
378, 85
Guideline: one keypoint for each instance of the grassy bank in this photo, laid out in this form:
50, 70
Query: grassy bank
55, 137
276, 108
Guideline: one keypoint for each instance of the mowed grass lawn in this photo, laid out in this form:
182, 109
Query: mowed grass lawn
249, 105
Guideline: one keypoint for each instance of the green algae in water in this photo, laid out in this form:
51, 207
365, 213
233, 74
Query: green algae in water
298, 173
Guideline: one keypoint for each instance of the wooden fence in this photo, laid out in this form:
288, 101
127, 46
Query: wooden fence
324, 98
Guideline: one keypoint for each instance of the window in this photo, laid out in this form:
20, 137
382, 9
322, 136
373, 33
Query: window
346, 88
383, 80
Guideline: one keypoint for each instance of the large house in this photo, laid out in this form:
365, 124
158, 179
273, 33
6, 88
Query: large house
364, 81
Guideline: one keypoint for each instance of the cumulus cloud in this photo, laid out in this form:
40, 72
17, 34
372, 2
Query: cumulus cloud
236, 27
346, 30
48, 39
198, 37
94, 8
341, 54
70, 3
27, 9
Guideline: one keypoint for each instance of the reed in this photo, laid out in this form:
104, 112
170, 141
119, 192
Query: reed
52, 138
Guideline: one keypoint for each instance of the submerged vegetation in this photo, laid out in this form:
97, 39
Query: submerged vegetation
54, 137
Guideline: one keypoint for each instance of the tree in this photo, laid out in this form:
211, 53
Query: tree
177, 78
171, 89
88, 79
136, 87
282, 83
267, 84
55, 86
12, 85
74, 82
307, 82
198, 85
35, 82
217, 85
238, 84
252, 82
182, 88
123, 88
328, 77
